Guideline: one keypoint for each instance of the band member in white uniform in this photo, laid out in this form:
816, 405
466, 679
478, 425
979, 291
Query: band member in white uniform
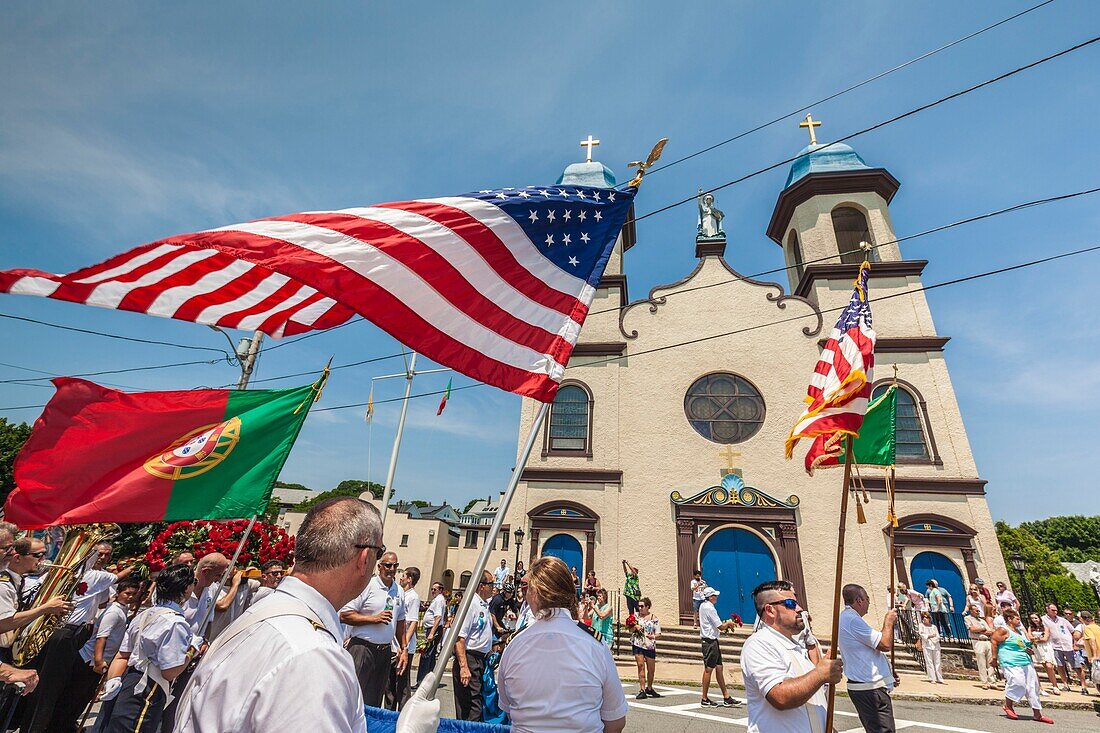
13, 614
553, 675
475, 639
397, 692
155, 650
434, 619
281, 666
376, 618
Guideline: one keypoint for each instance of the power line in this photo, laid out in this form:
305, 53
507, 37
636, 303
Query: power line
851, 88
152, 367
923, 288
115, 336
876, 126
926, 232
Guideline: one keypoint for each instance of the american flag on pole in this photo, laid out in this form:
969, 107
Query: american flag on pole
494, 284
841, 383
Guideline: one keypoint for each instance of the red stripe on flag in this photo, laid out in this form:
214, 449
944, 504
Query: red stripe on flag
141, 298
377, 305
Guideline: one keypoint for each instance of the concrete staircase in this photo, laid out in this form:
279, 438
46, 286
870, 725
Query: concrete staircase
681, 644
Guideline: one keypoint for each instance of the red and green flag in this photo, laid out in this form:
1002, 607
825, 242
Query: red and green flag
443, 402
100, 455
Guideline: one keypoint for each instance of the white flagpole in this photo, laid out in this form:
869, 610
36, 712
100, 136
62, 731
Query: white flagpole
487, 549
410, 372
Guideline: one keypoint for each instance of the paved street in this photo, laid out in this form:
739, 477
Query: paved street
679, 712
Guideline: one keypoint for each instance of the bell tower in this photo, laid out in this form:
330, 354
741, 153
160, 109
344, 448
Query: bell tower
832, 202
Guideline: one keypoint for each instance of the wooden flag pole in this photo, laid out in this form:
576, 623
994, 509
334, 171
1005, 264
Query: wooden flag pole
849, 459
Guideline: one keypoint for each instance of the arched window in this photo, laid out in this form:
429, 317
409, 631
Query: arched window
910, 434
570, 427
850, 227
464, 579
796, 253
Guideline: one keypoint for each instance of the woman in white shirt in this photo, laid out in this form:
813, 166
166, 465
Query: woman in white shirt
928, 641
554, 676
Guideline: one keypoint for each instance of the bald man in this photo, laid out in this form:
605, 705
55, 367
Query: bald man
376, 618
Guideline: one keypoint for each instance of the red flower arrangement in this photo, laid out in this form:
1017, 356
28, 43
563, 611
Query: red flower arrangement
737, 620
203, 536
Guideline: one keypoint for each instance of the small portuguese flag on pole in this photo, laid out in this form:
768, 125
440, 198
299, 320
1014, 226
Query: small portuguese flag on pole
99, 455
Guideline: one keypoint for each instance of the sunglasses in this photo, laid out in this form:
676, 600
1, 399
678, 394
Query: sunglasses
276, 572
41, 554
388, 564
381, 548
788, 603
486, 582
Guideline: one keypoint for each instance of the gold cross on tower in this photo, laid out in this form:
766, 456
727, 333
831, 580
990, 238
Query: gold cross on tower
729, 454
590, 143
810, 123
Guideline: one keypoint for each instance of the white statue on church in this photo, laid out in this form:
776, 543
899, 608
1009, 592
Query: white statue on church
710, 217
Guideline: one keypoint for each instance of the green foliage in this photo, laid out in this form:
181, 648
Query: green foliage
356, 487
1068, 591
12, 438
285, 485
349, 487
1041, 560
469, 505
1073, 539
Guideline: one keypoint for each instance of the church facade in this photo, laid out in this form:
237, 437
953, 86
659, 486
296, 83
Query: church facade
672, 458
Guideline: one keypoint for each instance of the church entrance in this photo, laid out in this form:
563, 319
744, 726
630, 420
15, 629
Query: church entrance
734, 562
568, 550
934, 566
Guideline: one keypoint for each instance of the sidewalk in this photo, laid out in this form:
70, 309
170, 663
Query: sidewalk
913, 687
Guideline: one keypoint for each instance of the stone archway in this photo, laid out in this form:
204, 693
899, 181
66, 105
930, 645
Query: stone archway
933, 531
555, 516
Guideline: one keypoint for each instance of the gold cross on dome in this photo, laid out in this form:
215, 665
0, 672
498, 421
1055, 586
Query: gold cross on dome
729, 454
589, 143
810, 123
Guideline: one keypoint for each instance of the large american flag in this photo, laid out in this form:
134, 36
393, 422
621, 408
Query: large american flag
494, 284
841, 383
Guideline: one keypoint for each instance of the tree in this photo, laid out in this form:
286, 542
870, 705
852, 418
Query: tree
350, 487
355, 486
12, 438
1073, 539
1048, 579
285, 485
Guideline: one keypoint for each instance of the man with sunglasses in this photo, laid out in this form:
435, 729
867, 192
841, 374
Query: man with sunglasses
14, 613
281, 666
376, 618
475, 640
271, 573
783, 687
7, 540
870, 678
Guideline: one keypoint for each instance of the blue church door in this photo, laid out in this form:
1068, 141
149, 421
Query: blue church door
568, 550
934, 566
734, 562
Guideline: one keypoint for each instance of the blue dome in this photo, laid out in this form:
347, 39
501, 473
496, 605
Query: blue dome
587, 174
825, 159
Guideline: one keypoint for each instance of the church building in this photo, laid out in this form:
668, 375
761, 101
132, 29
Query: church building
672, 459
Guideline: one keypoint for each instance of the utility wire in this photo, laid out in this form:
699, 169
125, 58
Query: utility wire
876, 126
926, 232
115, 336
851, 88
631, 355
105, 371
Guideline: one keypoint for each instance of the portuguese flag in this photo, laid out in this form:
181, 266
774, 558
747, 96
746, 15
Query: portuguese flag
99, 455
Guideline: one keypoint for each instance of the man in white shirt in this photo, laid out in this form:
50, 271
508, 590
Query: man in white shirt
289, 671
376, 618
208, 572
232, 602
397, 692
475, 639
501, 574
434, 619
784, 688
710, 626
271, 575
61, 653
870, 678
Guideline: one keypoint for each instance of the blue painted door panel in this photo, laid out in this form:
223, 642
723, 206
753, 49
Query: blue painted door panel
934, 566
568, 550
734, 562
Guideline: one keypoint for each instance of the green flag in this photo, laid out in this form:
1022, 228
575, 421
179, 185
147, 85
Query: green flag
877, 441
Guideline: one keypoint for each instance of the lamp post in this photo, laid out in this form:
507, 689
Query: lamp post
1019, 564
518, 535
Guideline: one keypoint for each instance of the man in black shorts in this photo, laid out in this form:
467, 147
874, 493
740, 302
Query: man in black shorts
710, 626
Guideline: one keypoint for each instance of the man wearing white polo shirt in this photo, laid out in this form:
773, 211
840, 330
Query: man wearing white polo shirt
710, 626
376, 617
475, 639
870, 678
784, 688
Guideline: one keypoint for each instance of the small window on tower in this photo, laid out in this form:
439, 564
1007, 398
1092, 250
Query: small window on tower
796, 254
404, 540
850, 227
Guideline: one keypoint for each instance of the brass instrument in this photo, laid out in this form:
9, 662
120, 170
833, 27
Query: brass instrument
60, 581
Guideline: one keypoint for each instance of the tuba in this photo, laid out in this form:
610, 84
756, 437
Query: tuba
60, 581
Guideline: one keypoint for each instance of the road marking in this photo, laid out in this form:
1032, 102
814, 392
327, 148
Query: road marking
680, 710
665, 691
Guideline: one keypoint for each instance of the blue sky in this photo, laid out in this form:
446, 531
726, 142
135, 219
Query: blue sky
126, 122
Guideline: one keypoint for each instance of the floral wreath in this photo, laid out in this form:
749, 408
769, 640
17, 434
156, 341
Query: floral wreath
201, 537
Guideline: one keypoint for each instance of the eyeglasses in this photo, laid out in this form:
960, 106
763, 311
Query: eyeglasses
788, 603
486, 582
279, 573
381, 548
40, 554
388, 564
